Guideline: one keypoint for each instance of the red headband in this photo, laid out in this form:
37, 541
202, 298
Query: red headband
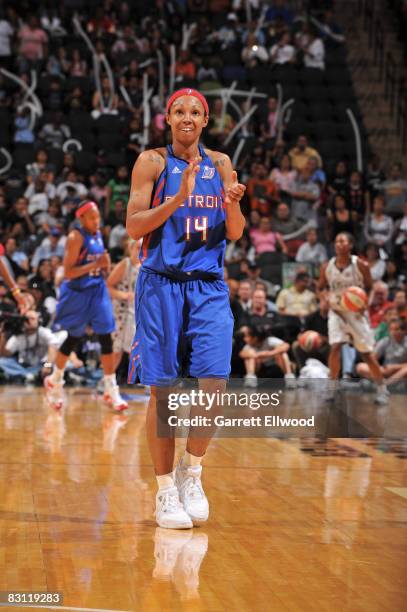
84, 208
187, 92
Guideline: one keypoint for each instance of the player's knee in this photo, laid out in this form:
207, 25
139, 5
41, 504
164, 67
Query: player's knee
68, 345
106, 344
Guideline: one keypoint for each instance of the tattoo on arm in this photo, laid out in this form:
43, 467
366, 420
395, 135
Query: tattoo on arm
220, 162
154, 157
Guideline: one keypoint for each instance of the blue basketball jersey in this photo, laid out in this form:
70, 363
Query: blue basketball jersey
92, 248
191, 243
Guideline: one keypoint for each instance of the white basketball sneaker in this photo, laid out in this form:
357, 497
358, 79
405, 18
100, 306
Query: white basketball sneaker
191, 493
54, 393
382, 395
250, 381
169, 512
186, 571
112, 397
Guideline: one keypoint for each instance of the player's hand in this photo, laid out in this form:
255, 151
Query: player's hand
188, 180
103, 261
24, 301
235, 191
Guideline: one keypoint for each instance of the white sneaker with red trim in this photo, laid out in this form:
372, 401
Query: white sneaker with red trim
54, 393
113, 398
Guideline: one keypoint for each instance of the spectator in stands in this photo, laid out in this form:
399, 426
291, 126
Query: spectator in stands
283, 52
12, 252
260, 352
378, 227
400, 228
378, 303
284, 176
297, 300
357, 197
400, 302
118, 188
395, 192
301, 153
221, 124
40, 164
392, 353
270, 125
78, 67
265, 240
339, 219
79, 189
305, 196
375, 175
24, 132
55, 133
314, 51
317, 175
6, 37
33, 42
50, 246
259, 313
261, 190
106, 101
25, 355
291, 229
312, 251
19, 222
242, 303
185, 68
251, 271
339, 182
376, 265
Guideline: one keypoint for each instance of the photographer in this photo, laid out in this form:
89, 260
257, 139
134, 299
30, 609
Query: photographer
25, 353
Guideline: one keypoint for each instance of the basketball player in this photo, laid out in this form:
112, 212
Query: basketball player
23, 301
84, 300
343, 271
184, 202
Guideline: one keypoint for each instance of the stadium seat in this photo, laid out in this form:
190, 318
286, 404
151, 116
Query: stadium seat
80, 122
23, 154
85, 161
110, 141
107, 124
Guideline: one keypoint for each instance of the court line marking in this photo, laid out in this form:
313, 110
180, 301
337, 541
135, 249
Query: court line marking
400, 491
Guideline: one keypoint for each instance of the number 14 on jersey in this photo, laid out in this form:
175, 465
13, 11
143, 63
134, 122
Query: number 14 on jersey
194, 225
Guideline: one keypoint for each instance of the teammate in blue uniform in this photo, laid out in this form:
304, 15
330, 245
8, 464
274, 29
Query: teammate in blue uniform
84, 300
184, 203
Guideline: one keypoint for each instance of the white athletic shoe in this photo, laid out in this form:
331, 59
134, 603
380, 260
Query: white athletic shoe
168, 543
169, 512
191, 493
290, 381
382, 395
54, 393
250, 381
112, 397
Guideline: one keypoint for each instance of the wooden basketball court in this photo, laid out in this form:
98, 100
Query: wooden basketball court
294, 525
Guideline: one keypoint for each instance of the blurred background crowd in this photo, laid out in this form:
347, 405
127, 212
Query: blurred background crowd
83, 86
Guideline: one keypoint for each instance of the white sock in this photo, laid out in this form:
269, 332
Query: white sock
109, 381
289, 375
57, 375
189, 460
165, 481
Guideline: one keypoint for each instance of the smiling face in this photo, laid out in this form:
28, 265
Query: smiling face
187, 119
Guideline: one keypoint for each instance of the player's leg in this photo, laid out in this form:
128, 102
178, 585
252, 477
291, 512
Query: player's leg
101, 318
284, 363
209, 330
155, 361
251, 365
363, 370
394, 372
54, 382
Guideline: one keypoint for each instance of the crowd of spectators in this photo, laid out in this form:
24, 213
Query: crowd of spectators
296, 202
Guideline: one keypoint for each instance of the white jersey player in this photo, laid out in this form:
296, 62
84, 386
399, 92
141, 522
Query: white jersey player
343, 271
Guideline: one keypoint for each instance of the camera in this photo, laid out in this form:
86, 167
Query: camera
12, 322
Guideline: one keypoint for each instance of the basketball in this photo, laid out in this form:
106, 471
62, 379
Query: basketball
354, 299
310, 341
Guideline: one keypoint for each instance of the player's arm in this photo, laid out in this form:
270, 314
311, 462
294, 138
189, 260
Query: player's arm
365, 270
114, 278
141, 219
234, 191
322, 281
21, 299
73, 247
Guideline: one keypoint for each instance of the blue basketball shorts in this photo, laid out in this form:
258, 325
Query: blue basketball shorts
78, 309
183, 328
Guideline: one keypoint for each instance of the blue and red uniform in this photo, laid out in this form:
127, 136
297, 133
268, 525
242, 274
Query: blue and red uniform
85, 300
184, 323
